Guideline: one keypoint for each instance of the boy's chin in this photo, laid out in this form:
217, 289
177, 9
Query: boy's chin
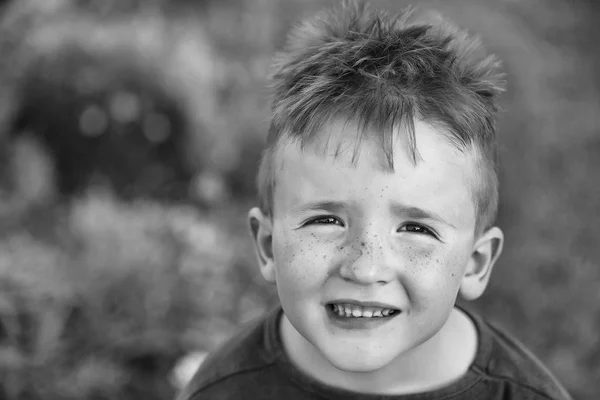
357, 361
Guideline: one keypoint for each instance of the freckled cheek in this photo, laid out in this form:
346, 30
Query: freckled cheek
432, 274
301, 259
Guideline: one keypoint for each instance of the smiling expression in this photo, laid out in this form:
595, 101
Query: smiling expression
367, 262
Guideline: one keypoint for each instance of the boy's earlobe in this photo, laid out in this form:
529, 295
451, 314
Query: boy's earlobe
485, 253
261, 228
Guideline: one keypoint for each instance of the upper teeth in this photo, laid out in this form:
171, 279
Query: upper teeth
351, 310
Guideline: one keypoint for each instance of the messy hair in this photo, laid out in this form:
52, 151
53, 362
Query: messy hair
383, 72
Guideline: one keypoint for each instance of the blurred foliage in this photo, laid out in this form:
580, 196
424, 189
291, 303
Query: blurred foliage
130, 135
105, 301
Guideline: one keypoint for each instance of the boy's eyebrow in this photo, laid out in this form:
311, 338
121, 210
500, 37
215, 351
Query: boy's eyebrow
327, 205
418, 213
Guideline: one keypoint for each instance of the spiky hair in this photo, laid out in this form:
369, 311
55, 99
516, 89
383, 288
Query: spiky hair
382, 72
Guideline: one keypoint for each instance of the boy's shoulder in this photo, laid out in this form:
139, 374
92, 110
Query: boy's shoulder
504, 359
238, 365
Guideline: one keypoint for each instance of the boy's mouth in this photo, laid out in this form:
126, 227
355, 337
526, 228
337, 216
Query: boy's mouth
355, 311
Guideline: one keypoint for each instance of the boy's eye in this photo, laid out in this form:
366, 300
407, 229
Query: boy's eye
416, 228
327, 220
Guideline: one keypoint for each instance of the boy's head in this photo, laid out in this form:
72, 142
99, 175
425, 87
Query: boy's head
383, 72
378, 188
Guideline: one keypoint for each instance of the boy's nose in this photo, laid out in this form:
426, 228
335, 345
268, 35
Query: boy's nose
367, 263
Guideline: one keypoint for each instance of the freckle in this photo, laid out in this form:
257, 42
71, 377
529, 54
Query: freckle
363, 244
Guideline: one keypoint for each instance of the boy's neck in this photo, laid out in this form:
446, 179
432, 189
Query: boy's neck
437, 363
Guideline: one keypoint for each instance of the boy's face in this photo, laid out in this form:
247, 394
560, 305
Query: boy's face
347, 244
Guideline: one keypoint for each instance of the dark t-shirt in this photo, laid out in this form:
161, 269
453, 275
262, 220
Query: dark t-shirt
253, 365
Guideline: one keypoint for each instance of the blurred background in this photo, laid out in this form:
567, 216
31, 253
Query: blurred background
130, 132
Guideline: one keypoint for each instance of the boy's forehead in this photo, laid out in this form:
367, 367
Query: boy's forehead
338, 160
347, 143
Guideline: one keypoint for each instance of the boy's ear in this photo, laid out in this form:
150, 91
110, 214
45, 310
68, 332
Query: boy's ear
261, 228
486, 251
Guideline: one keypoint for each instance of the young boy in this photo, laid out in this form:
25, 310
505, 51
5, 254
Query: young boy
378, 197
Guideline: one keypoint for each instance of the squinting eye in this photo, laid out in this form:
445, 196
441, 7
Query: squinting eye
325, 221
415, 228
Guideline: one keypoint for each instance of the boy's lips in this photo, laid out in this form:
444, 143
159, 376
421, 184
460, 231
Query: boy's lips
358, 315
